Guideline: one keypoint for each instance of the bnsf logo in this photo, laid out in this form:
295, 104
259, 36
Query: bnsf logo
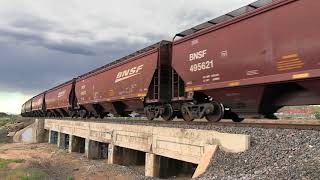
197, 55
128, 73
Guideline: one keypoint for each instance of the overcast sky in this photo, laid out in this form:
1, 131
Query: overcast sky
46, 42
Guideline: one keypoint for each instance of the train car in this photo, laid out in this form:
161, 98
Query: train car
60, 100
139, 82
249, 62
23, 110
38, 105
28, 108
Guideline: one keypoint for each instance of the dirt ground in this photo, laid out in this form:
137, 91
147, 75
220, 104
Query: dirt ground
46, 160
59, 164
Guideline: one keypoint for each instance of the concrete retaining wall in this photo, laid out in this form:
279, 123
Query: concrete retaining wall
34, 133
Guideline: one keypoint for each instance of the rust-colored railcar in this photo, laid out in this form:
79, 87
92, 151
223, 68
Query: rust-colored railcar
59, 100
252, 61
28, 106
23, 110
37, 105
127, 84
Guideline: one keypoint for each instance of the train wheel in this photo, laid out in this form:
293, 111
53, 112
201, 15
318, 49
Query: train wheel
72, 114
83, 113
217, 113
149, 114
186, 114
102, 115
168, 114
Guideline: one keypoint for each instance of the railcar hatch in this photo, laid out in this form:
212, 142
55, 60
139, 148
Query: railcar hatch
226, 17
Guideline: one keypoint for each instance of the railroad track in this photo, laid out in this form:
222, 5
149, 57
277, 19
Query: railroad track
254, 123
280, 124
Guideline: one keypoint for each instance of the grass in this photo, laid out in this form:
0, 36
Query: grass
7, 120
5, 162
22, 174
69, 178
25, 174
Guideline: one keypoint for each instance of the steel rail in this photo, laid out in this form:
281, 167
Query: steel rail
258, 123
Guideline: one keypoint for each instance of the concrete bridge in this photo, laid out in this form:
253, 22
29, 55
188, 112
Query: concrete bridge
155, 147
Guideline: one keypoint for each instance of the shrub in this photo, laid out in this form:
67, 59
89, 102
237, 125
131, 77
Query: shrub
317, 115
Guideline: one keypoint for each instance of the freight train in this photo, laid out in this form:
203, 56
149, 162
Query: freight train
249, 62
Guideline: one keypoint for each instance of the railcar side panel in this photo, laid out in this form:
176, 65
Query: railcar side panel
37, 102
127, 81
28, 107
23, 109
58, 97
269, 45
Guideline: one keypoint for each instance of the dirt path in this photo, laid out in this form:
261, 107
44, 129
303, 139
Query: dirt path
59, 164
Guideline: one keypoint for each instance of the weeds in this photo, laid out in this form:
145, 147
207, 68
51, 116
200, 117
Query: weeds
5, 162
25, 174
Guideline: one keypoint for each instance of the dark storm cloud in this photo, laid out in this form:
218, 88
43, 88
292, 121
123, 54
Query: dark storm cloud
33, 68
69, 47
31, 30
33, 22
36, 39
31, 63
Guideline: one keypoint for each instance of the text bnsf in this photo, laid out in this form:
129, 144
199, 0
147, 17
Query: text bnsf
197, 55
128, 73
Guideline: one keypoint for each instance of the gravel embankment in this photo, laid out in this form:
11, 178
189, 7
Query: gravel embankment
274, 154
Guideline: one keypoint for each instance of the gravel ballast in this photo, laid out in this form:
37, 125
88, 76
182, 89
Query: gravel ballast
274, 154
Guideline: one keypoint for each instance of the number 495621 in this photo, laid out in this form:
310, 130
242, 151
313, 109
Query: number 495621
201, 66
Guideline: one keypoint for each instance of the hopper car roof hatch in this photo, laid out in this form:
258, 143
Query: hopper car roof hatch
226, 17
123, 59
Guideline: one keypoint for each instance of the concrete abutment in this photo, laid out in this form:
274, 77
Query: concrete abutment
164, 152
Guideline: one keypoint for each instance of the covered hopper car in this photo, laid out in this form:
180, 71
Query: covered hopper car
130, 84
60, 100
249, 62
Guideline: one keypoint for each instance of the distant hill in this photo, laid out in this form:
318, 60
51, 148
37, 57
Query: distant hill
3, 114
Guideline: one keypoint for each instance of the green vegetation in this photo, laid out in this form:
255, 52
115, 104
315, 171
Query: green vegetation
5, 162
7, 119
3, 114
317, 112
317, 115
25, 174
69, 178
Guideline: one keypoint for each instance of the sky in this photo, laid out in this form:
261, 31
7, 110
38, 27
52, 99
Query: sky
46, 42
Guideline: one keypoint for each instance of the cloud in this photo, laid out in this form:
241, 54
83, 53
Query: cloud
15, 100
